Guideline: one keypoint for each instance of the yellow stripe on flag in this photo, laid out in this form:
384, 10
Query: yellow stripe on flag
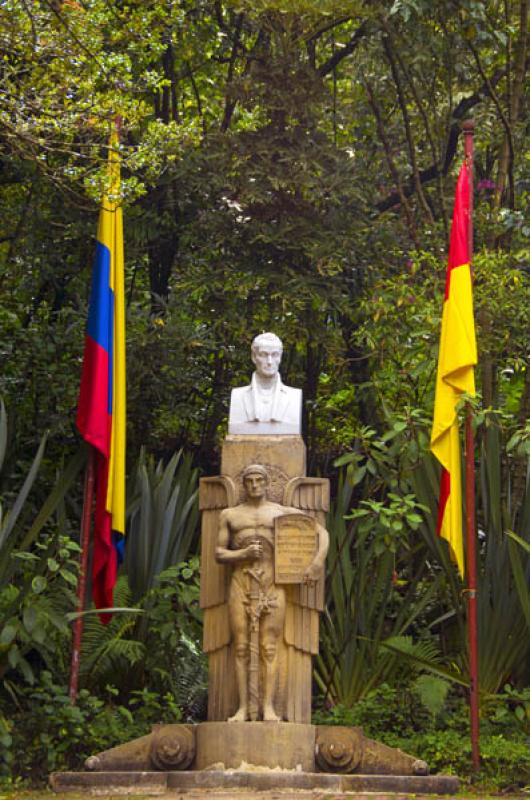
455, 376
111, 234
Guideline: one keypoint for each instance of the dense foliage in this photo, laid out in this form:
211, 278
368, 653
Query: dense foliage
286, 166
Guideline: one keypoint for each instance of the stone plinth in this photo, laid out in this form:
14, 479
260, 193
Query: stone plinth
257, 756
305, 784
282, 458
262, 744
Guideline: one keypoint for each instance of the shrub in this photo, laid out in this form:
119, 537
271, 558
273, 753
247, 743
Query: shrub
47, 732
503, 762
396, 717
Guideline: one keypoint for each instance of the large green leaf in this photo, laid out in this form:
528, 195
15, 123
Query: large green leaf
10, 519
24, 540
520, 577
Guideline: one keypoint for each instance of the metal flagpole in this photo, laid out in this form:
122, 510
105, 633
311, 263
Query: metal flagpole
86, 520
471, 541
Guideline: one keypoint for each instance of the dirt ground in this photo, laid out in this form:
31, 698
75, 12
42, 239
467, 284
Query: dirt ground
244, 795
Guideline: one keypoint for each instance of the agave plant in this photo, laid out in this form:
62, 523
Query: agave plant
162, 514
368, 612
503, 601
163, 520
378, 595
33, 607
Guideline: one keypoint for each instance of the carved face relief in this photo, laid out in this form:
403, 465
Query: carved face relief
276, 480
255, 485
267, 359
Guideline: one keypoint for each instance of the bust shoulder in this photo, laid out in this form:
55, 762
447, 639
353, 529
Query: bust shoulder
237, 391
240, 404
265, 413
292, 390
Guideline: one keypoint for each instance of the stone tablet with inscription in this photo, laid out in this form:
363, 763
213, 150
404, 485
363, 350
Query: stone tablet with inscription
295, 546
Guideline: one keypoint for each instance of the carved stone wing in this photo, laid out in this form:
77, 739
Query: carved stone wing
214, 495
311, 496
308, 494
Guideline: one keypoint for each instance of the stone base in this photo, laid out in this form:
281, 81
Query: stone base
274, 745
270, 745
157, 783
254, 756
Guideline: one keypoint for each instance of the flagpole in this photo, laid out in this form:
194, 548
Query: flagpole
471, 565
88, 502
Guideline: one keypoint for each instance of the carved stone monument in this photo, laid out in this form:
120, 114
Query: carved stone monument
261, 628
263, 551
269, 626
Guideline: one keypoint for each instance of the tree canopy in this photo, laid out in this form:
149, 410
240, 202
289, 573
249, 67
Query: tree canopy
286, 165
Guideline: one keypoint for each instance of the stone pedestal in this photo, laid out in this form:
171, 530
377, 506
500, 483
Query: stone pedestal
276, 745
244, 784
257, 756
284, 460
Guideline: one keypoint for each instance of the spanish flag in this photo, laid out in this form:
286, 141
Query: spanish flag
456, 360
101, 408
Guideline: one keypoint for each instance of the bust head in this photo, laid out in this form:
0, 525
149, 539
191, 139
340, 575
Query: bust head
266, 353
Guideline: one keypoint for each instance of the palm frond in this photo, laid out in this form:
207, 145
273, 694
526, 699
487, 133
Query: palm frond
108, 649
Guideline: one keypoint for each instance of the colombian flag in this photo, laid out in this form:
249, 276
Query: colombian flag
101, 410
456, 360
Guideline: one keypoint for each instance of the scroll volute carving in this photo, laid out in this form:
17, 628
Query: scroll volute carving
172, 747
338, 749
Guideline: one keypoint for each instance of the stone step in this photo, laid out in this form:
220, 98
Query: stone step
223, 782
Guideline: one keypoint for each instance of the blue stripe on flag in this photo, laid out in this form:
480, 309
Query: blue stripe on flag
119, 543
101, 299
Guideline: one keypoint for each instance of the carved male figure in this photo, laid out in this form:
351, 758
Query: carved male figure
246, 542
266, 406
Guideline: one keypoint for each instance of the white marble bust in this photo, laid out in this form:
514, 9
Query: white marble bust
267, 406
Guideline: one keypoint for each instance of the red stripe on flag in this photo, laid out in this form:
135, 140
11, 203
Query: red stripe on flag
459, 241
105, 562
93, 420
445, 491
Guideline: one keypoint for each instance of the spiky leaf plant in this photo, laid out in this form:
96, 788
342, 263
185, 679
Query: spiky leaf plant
503, 570
163, 519
37, 569
377, 594
366, 608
